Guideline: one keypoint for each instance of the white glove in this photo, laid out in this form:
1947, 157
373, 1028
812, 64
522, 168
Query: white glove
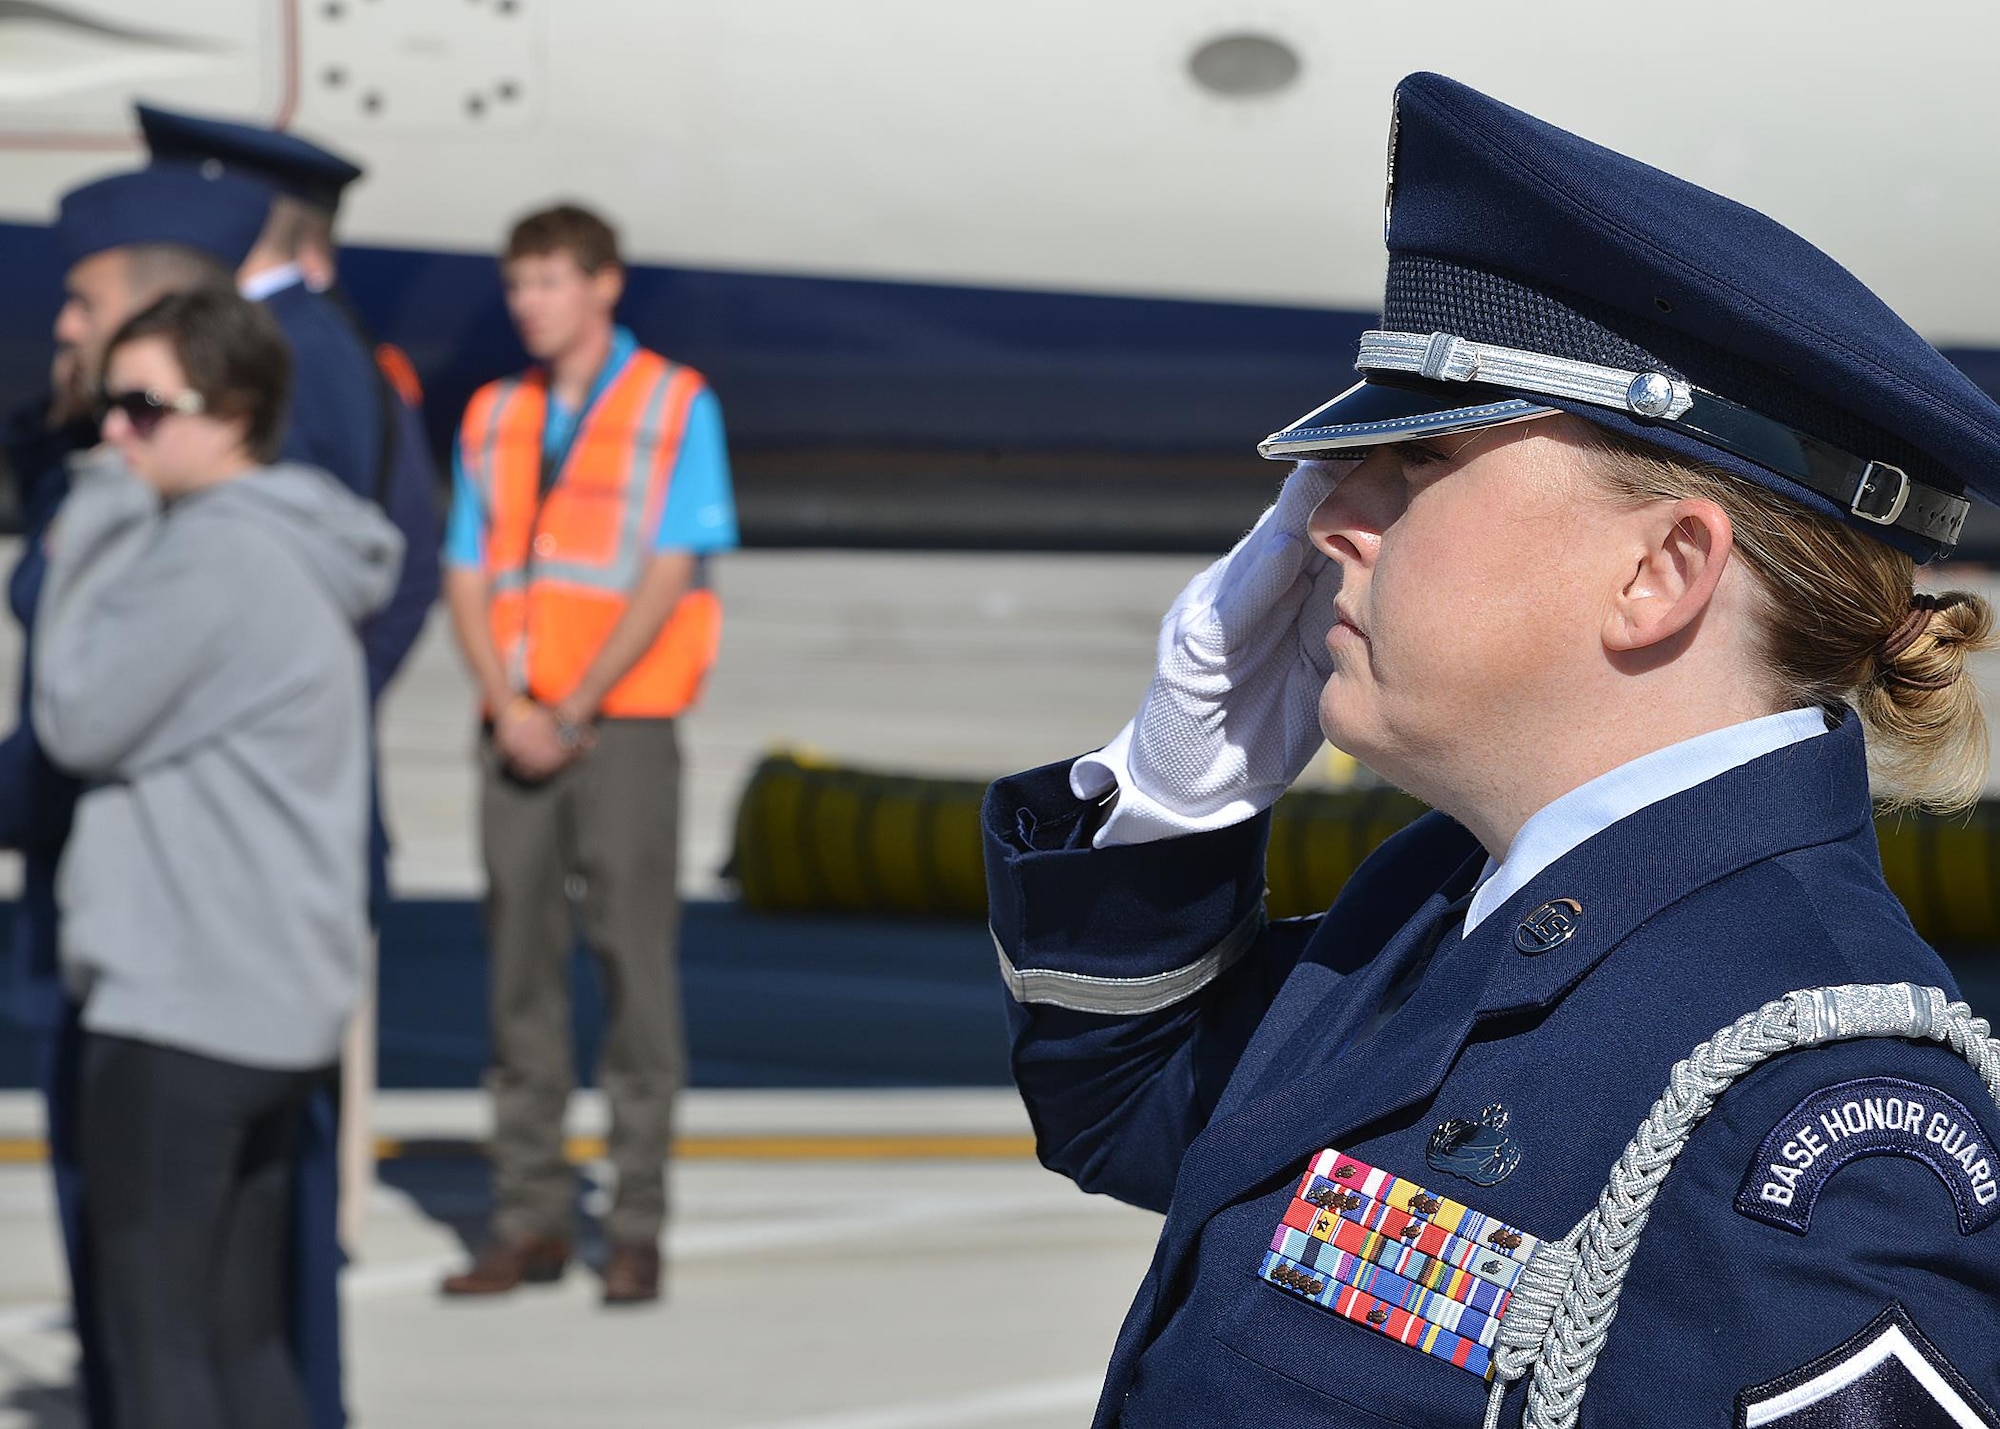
1232, 715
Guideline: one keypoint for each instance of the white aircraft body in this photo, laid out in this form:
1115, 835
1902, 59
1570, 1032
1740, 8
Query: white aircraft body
1044, 144
1203, 162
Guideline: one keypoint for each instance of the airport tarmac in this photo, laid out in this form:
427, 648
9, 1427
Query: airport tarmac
814, 1292
954, 1282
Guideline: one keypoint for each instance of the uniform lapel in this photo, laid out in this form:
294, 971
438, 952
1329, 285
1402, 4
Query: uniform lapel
1307, 1025
1315, 1101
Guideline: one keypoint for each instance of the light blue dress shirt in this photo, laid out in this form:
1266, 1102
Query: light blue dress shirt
700, 510
1592, 808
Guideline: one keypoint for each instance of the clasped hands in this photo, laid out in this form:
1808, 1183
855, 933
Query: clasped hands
530, 738
1232, 715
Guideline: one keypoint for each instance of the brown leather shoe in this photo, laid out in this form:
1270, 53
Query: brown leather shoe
504, 1264
632, 1273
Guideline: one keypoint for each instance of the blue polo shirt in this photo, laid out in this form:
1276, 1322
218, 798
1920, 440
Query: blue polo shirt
700, 510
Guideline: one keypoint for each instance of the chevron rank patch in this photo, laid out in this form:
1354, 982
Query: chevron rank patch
1889, 1376
1392, 1257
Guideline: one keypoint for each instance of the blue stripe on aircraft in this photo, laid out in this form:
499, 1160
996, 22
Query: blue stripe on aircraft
823, 362
828, 364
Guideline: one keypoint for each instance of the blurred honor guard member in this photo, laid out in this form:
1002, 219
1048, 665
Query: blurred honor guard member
589, 491
356, 414
127, 241
336, 420
1608, 558
196, 662
346, 418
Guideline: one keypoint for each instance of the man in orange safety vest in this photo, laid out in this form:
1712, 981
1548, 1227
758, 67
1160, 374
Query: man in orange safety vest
588, 493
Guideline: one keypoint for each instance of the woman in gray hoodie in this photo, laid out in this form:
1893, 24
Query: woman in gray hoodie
196, 663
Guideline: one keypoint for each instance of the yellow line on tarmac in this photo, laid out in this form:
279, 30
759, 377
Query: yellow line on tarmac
767, 1148
28, 1150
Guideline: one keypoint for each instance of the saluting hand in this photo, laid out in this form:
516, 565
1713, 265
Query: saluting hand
1232, 715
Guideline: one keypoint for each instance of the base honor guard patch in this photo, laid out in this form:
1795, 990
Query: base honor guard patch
1402, 1261
1871, 1116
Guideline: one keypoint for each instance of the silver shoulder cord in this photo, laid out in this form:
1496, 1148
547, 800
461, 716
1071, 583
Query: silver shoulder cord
1568, 1292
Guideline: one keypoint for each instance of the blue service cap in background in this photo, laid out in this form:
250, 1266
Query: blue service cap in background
219, 214
1531, 271
286, 162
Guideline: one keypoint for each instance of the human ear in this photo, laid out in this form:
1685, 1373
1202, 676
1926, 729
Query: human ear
1683, 549
610, 284
234, 439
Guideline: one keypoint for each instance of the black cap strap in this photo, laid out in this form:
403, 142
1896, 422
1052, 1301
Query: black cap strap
1872, 491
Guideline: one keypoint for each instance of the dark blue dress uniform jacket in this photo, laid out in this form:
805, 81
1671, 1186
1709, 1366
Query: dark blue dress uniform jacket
37, 804
338, 422
1250, 1049
335, 421
37, 800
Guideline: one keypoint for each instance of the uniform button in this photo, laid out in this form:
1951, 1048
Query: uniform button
545, 544
1651, 394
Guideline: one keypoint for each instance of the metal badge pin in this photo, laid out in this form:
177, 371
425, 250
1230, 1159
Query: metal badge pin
1477, 1150
1549, 926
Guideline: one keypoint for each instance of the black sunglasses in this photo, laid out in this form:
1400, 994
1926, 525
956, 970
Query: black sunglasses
146, 410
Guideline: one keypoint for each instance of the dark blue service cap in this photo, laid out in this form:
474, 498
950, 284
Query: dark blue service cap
1531, 271
220, 214
286, 162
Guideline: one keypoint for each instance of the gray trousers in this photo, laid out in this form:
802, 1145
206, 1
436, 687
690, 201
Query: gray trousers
607, 828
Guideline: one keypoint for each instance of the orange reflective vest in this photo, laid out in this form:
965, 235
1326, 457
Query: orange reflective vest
562, 566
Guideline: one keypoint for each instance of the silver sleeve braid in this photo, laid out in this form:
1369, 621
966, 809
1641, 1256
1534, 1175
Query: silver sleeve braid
1567, 1295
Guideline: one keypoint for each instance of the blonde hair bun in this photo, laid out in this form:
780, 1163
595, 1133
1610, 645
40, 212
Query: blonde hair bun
1845, 626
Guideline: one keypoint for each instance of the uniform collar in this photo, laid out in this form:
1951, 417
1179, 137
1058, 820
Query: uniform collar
1589, 809
261, 287
1801, 794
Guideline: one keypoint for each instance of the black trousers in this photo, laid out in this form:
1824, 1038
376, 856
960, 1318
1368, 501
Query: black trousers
189, 1163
